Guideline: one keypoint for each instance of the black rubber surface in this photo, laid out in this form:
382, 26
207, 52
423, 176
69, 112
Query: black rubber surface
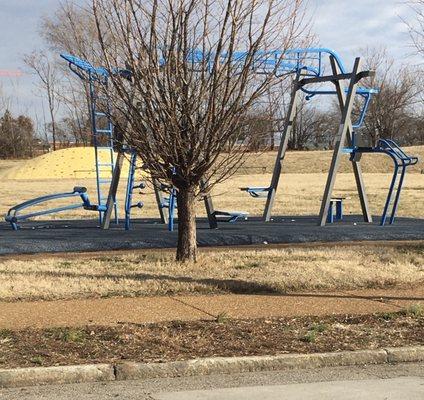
75, 236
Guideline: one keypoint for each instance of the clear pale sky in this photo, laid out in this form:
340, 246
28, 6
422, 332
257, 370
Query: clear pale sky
343, 25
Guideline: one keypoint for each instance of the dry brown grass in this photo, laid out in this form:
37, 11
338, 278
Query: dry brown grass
300, 191
249, 271
6, 165
307, 162
75, 163
299, 194
221, 271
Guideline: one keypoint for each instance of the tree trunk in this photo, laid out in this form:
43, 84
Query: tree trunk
51, 109
187, 241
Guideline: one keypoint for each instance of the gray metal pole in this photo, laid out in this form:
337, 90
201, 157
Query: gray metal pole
357, 170
210, 210
159, 201
340, 142
288, 126
111, 198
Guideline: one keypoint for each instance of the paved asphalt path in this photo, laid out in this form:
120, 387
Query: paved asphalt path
388, 382
411, 388
80, 236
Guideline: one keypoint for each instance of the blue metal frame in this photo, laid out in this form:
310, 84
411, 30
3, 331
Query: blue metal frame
130, 190
13, 216
309, 60
401, 161
87, 72
170, 202
171, 208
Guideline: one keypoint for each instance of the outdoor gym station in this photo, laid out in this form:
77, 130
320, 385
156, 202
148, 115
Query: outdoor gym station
316, 72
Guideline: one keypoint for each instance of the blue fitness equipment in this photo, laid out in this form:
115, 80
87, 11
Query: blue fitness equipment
101, 125
169, 202
335, 203
308, 65
172, 203
99, 75
103, 141
14, 214
308, 61
130, 190
401, 161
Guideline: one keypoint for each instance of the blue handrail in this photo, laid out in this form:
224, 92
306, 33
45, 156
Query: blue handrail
393, 147
400, 160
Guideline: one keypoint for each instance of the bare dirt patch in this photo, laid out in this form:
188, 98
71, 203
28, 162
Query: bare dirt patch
221, 337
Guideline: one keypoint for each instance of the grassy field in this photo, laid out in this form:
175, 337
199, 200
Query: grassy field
267, 271
300, 191
299, 194
307, 162
77, 163
6, 165
273, 271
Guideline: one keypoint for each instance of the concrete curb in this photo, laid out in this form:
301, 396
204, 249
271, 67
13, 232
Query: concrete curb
56, 375
206, 366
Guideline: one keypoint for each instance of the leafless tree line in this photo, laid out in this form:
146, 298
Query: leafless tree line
395, 112
16, 136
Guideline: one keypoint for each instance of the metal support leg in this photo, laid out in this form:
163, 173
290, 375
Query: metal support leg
210, 211
357, 170
171, 209
389, 196
398, 191
130, 189
340, 141
288, 126
330, 216
111, 198
339, 210
159, 201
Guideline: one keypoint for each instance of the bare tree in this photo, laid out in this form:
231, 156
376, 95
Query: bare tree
307, 127
191, 88
47, 73
16, 136
75, 110
72, 29
416, 28
393, 108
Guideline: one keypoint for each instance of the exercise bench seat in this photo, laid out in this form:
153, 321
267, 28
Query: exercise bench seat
231, 216
256, 191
